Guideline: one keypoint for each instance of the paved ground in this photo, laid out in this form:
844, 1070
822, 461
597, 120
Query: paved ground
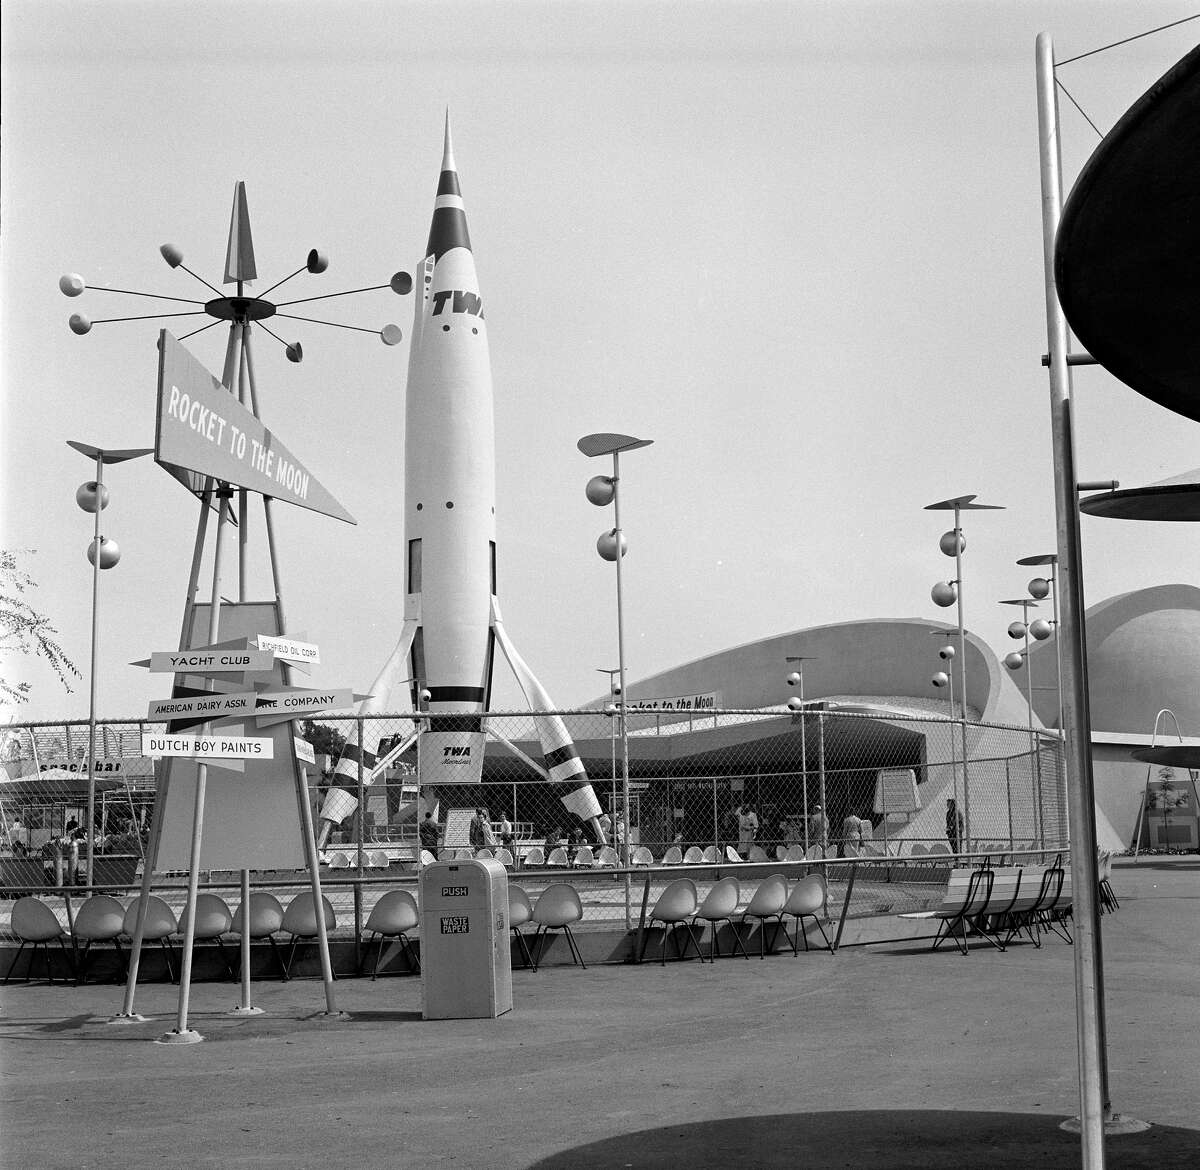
883, 1056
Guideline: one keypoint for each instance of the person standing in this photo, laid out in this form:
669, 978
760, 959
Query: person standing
747, 828
427, 832
475, 832
818, 827
954, 823
851, 835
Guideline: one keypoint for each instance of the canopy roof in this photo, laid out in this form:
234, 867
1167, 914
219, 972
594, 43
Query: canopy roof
1129, 240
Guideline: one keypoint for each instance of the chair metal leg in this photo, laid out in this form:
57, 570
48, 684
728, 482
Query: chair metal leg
575, 952
224, 956
524, 948
166, 947
81, 971
14, 963
283, 971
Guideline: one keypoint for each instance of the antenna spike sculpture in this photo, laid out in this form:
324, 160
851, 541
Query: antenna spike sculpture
452, 622
240, 269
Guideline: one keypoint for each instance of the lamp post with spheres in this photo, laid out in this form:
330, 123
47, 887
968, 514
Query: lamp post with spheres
603, 490
103, 553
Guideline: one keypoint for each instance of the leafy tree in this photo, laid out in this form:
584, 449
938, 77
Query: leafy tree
324, 739
25, 631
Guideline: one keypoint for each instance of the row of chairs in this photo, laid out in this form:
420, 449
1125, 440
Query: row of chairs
104, 919
679, 906
999, 904
371, 859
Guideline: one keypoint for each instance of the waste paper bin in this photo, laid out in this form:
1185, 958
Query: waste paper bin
466, 972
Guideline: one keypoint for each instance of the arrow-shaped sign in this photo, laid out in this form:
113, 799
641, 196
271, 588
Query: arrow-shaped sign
209, 661
186, 712
289, 650
278, 706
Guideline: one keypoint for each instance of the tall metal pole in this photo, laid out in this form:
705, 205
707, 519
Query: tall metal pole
962, 680
1094, 1105
91, 797
616, 478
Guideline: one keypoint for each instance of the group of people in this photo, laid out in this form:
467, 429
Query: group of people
481, 833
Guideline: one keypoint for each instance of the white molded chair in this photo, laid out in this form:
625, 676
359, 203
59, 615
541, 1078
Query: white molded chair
694, 855
520, 911
608, 857
160, 924
213, 920
300, 921
557, 907
767, 902
757, 853
641, 856
100, 919
676, 905
673, 856
807, 900
731, 854
393, 916
503, 856
557, 857
781, 852
711, 855
535, 856
266, 920
34, 922
584, 857
485, 855
379, 859
339, 860
719, 905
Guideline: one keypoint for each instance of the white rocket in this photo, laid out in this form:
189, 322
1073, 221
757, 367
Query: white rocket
452, 620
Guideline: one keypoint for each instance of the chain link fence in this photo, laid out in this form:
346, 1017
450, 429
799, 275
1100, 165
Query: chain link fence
752, 783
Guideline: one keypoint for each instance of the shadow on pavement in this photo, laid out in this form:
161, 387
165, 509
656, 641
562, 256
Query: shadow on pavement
885, 1139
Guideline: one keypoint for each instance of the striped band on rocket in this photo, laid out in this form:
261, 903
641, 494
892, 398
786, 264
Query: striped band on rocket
452, 621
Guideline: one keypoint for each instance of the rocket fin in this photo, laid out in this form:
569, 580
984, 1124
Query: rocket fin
563, 764
340, 803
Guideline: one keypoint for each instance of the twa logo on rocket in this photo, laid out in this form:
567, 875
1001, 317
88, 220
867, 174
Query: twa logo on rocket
452, 621
464, 302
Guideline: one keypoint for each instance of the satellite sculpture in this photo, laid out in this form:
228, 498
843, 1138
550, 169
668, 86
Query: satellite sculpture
452, 622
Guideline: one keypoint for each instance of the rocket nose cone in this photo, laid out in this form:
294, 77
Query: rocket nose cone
448, 147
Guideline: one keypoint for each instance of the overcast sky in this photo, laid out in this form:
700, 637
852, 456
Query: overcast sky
798, 245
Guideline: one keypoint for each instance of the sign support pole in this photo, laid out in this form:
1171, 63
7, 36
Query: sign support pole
181, 1034
151, 859
301, 774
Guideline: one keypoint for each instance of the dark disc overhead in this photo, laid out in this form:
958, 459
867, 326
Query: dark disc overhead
1181, 755
1128, 246
1171, 500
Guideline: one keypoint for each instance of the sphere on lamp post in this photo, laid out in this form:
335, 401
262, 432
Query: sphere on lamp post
606, 545
1039, 588
92, 496
795, 703
600, 490
1016, 630
952, 543
944, 594
947, 652
1040, 629
1014, 661
109, 552
793, 679
941, 679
